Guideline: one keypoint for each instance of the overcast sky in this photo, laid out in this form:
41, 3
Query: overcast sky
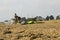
28, 8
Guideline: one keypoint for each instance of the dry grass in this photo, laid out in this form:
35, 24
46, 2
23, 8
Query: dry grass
48, 30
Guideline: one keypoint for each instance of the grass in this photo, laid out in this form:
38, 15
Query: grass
45, 30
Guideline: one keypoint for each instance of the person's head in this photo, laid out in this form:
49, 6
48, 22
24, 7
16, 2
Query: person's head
15, 14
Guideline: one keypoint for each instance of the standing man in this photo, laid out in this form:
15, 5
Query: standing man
16, 18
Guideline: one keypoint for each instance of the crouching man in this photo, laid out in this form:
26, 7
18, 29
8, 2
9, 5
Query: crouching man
23, 21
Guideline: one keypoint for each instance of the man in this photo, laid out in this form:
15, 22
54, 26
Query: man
16, 18
19, 19
23, 21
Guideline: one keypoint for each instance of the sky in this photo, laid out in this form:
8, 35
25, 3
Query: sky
28, 8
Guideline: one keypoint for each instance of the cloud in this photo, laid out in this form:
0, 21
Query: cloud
29, 7
3, 8
51, 2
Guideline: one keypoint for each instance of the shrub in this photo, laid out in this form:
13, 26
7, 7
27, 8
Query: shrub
58, 17
51, 17
47, 18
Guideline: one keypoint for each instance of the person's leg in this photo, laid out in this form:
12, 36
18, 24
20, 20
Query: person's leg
16, 20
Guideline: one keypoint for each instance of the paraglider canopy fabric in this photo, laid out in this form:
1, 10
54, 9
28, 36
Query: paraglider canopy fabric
23, 22
29, 22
